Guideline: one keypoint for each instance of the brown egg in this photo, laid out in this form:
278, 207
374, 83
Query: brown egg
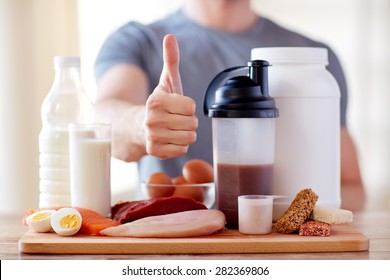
160, 191
198, 171
179, 180
195, 192
183, 189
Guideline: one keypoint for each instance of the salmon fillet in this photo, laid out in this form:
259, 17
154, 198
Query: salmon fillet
93, 222
182, 224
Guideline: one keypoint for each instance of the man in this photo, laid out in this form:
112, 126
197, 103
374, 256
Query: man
153, 120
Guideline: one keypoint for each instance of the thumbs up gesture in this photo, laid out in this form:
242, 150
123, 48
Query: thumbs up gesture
170, 120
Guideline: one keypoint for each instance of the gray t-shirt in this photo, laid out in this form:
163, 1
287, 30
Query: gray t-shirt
204, 52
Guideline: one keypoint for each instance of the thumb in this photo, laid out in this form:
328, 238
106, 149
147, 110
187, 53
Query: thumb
170, 76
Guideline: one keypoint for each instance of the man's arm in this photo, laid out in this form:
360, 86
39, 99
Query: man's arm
352, 190
121, 97
162, 124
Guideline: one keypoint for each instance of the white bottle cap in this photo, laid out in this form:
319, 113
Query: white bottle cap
66, 61
288, 55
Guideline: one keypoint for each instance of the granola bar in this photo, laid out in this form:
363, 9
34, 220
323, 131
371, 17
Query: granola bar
298, 212
314, 228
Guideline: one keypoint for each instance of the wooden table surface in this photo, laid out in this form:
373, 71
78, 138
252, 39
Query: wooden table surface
374, 225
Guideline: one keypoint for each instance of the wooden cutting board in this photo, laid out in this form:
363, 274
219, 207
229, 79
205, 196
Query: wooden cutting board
343, 238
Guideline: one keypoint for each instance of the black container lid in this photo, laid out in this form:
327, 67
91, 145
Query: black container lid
241, 96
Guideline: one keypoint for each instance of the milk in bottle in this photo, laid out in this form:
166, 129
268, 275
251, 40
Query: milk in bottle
66, 103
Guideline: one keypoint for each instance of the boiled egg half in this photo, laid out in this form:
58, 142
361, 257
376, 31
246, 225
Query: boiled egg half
40, 221
66, 221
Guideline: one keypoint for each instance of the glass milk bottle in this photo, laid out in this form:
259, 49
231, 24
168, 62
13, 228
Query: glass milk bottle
66, 103
307, 148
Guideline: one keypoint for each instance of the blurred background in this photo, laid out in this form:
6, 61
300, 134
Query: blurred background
32, 32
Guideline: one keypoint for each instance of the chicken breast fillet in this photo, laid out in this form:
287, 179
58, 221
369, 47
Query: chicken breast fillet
182, 224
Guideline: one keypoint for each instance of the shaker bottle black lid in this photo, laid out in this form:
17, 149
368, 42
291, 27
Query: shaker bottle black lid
241, 96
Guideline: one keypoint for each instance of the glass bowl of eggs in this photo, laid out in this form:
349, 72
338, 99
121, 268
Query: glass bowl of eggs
196, 182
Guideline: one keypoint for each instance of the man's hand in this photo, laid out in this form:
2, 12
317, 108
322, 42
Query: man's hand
170, 120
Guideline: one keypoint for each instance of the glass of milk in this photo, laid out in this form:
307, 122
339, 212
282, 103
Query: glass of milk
90, 157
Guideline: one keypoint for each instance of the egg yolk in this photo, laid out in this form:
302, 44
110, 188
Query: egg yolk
40, 216
70, 221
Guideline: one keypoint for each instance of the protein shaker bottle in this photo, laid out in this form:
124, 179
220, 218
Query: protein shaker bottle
243, 130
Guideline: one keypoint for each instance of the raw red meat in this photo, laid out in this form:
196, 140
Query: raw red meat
133, 210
